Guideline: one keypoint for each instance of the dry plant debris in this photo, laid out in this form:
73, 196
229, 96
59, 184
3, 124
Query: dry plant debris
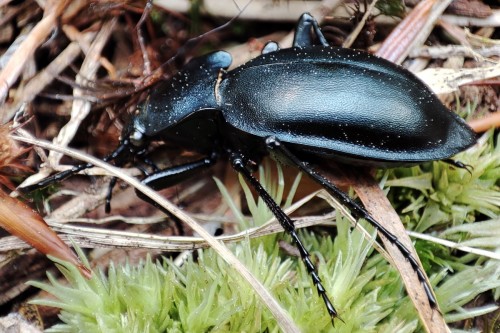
73, 71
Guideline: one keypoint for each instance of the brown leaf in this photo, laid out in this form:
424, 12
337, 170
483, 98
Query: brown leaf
469, 8
23, 222
491, 120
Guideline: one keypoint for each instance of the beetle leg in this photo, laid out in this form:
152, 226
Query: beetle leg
276, 147
458, 164
270, 47
60, 176
302, 37
174, 175
287, 224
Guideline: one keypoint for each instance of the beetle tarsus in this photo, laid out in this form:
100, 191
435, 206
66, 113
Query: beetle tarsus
459, 164
107, 206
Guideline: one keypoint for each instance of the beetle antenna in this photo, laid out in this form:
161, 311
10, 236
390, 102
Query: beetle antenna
192, 42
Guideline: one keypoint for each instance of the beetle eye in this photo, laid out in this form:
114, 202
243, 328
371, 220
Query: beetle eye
136, 138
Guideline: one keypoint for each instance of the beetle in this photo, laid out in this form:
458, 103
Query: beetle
300, 105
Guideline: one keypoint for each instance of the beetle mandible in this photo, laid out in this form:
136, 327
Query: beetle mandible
299, 104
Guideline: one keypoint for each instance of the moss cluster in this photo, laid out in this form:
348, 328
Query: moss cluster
208, 296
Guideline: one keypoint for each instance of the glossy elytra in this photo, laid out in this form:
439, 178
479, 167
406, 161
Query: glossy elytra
299, 104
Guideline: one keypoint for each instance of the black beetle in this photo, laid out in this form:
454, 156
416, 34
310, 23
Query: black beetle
299, 104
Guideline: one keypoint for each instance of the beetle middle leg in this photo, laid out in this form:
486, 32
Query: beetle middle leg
174, 175
283, 154
286, 222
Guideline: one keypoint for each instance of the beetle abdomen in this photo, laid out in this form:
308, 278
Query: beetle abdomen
342, 102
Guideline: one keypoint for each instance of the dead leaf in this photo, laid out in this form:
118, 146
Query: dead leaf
23, 222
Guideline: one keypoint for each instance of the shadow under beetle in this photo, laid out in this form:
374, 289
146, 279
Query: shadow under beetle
300, 104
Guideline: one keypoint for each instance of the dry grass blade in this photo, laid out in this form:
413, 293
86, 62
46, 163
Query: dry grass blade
44, 77
283, 319
412, 30
91, 237
454, 245
81, 108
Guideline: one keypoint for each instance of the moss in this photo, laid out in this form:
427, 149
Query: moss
207, 296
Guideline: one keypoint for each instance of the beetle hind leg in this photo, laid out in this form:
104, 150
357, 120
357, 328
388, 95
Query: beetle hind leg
283, 154
458, 164
287, 224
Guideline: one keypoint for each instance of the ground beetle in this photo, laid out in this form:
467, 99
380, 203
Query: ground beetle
300, 104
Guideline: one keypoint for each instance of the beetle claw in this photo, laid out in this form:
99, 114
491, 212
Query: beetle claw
460, 165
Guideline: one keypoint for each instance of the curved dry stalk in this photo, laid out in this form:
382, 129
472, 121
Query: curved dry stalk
81, 108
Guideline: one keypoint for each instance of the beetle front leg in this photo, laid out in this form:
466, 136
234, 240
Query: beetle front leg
282, 153
302, 37
60, 176
287, 224
55, 178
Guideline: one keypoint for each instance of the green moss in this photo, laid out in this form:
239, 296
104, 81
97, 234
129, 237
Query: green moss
208, 296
